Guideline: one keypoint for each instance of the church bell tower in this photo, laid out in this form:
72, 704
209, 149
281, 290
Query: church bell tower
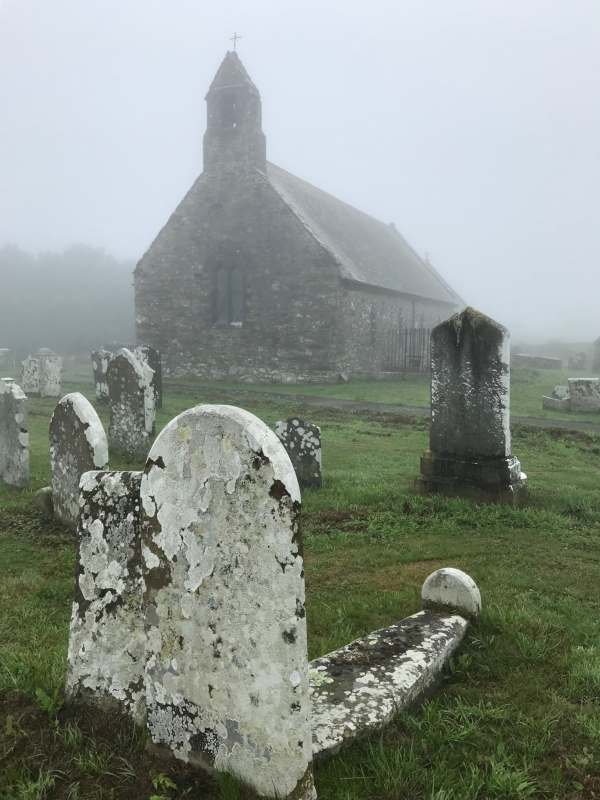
234, 139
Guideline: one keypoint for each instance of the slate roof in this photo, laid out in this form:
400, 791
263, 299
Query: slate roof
367, 251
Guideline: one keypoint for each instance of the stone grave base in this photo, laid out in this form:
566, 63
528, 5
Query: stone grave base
497, 480
556, 403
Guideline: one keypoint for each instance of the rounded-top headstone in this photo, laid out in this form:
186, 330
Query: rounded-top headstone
227, 665
78, 444
452, 589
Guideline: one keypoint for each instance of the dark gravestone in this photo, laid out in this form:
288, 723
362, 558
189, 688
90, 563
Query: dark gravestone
152, 357
470, 443
100, 361
132, 410
302, 441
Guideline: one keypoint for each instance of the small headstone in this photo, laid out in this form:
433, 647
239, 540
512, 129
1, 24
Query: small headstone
30, 375
105, 661
302, 441
227, 670
151, 356
77, 444
14, 436
584, 394
470, 442
132, 410
100, 361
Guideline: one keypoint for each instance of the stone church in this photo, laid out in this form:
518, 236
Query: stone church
258, 275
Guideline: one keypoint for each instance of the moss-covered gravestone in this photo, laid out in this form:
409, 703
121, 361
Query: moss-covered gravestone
132, 405
77, 444
470, 443
302, 441
14, 436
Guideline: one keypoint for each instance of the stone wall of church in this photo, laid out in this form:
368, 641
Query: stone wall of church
367, 319
290, 328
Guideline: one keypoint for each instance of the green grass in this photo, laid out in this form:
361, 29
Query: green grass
517, 714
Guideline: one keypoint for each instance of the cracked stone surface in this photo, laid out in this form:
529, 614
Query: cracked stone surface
470, 442
105, 662
41, 374
302, 441
78, 444
14, 435
360, 687
132, 409
227, 671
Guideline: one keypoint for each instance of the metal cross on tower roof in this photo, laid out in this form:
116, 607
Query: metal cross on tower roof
235, 38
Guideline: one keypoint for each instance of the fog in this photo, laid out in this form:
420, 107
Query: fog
473, 126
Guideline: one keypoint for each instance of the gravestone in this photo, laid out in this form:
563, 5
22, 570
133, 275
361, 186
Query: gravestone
77, 444
42, 374
559, 400
132, 410
6, 358
227, 671
302, 441
14, 436
106, 652
470, 442
100, 361
152, 357
584, 394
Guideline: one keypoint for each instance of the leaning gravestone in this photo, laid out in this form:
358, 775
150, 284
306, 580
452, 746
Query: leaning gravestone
470, 442
302, 441
105, 662
100, 361
227, 672
14, 436
152, 357
77, 444
132, 410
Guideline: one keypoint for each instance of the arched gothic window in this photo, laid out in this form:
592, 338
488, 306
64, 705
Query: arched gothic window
230, 296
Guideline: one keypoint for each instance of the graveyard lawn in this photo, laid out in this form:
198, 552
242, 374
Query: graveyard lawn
518, 712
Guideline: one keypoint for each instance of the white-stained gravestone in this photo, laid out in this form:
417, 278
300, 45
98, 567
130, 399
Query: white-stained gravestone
132, 409
100, 361
14, 436
227, 672
302, 441
470, 443
42, 374
152, 357
78, 444
106, 639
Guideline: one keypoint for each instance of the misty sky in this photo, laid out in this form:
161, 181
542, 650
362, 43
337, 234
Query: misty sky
474, 125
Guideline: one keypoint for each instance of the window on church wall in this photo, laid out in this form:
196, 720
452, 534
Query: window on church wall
230, 296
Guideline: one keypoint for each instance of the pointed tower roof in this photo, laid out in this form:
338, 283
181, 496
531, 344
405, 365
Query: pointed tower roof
231, 73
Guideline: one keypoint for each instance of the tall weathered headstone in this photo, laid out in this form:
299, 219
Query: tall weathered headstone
152, 357
470, 442
132, 409
42, 374
227, 672
100, 361
78, 444
105, 663
14, 436
302, 441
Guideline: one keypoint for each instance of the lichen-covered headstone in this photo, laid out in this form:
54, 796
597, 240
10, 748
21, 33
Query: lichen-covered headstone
132, 409
14, 436
42, 374
302, 441
152, 357
100, 361
106, 640
584, 394
470, 443
78, 444
227, 670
